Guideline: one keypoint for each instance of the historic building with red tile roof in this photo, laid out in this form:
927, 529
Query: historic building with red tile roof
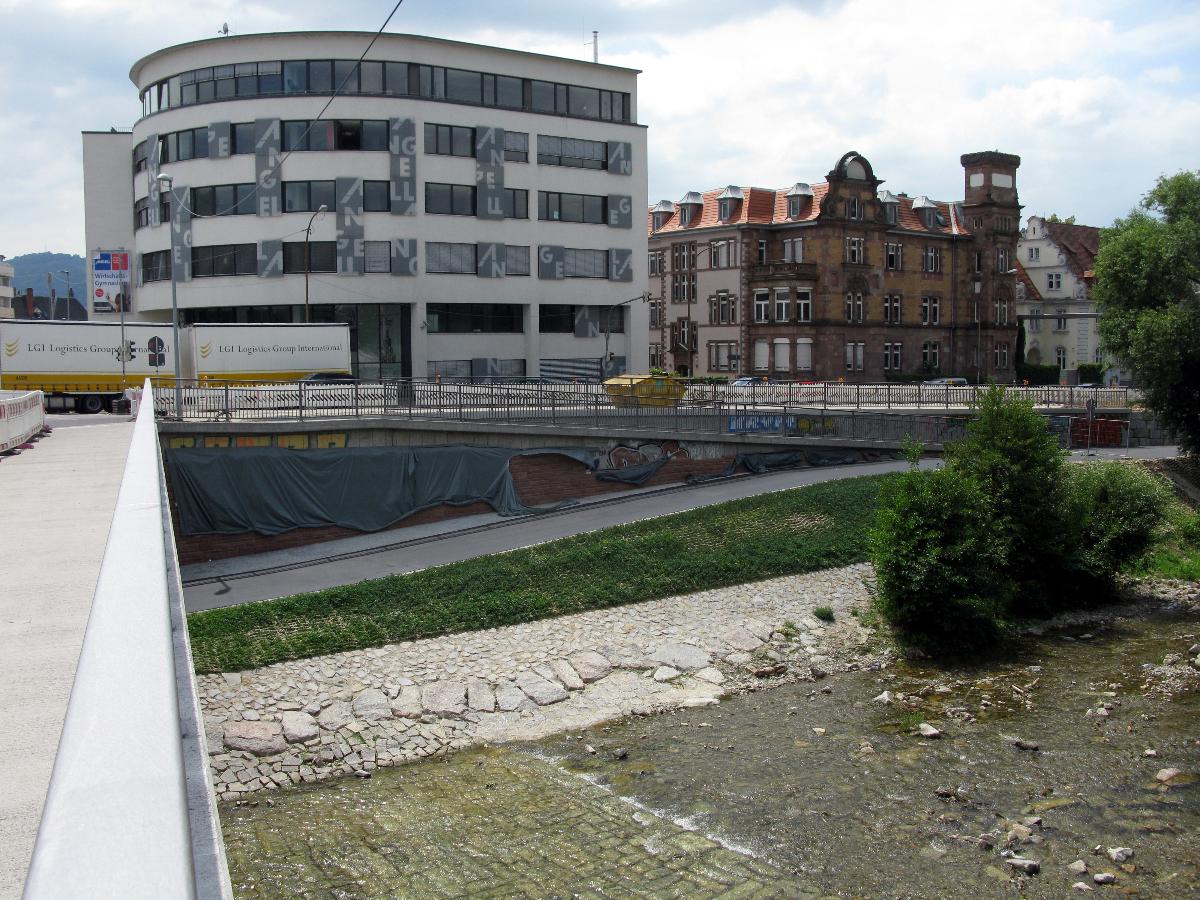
838, 279
1054, 293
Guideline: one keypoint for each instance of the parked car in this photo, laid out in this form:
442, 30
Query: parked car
953, 382
330, 377
747, 380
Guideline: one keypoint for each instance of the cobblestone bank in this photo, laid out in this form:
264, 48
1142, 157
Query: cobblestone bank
351, 713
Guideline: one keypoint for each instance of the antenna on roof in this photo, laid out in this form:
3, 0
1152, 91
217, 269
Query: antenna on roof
224, 32
595, 44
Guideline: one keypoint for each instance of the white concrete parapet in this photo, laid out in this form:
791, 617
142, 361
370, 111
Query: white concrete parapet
129, 812
22, 415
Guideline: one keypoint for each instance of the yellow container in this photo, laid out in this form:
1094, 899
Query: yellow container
644, 390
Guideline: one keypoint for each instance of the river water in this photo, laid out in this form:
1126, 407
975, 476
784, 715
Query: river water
802, 790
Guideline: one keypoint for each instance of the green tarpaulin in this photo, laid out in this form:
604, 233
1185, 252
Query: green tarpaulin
271, 490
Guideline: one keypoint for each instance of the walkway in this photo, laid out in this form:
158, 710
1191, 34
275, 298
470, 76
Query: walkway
57, 502
264, 576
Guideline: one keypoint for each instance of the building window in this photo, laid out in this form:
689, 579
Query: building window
1000, 311
585, 263
449, 199
853, 208
516, 259
762, 355
1035, 254
722, 356
683, 287
377, 196
656, 356
224, 259
1060, 357
1002, 260
891, 309
781, 348
793, 250
450, 259
473, 318
1054, 281
725, 208
574, 153
307, 196
156, 266
931, 260
762, 253
978, 261
893, 255
449, 140
721, 254
929, 355
687, 212
554, 206
655, 262
891, 356
795, 207
803, 306
762, 306
931, 310
556, 318
655, 313
891, 212
722, 309
322, 257
1060, 323
303, 134
516, 146
223, 200
683, 257
782, 304
377, 256
804, 354
1035, 318
1000, 356
855, 251
855, 351
854, 307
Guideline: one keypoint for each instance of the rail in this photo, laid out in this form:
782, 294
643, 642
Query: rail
22, 415
130, 812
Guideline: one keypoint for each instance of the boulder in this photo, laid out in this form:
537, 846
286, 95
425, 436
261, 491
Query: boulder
299, 726
590, 665
685, 657
539, 690
407, 704
565, 673
480, 696
445, 698
371, 705
741, 639
336, 715
509, 697
259, 738
666, 673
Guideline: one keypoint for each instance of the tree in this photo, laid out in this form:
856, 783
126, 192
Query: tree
1053, 217
1147, 282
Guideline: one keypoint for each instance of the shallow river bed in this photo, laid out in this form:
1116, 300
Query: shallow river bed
807, 789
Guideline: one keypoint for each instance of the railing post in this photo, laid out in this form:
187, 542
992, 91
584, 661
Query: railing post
300, 402
357, 411
228, 411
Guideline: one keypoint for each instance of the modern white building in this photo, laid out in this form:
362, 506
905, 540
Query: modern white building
7, 291
1055, 266
469, 209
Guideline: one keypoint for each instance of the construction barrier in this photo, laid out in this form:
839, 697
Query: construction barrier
21, 417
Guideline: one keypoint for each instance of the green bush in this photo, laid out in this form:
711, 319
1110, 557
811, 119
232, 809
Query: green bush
1017, 464
1114, 510
936, 559
1035, 374
1091, 373
824, 613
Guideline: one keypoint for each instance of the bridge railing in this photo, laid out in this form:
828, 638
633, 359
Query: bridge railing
130, 811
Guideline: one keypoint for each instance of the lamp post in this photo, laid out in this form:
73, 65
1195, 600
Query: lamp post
50, 276
67, 272
166, 181
307, 234
644, 297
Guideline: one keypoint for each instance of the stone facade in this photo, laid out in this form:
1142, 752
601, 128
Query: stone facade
839, 280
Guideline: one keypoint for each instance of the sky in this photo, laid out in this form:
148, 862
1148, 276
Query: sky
1098, 98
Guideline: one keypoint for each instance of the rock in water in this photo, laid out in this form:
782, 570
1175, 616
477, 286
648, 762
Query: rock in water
1120, 854
928, 731
1020, 863
1165, 775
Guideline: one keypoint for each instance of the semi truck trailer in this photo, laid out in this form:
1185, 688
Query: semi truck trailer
86, 366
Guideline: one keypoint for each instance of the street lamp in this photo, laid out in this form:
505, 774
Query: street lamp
50, 276
644, 297
167, 181
307, 234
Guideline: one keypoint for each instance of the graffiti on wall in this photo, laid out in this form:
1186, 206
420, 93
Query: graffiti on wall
625, 455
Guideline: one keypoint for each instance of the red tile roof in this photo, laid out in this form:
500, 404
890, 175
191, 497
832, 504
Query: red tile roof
765, 206
1079, 244
1032, 294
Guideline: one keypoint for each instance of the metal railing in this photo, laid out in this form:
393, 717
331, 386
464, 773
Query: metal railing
525, 401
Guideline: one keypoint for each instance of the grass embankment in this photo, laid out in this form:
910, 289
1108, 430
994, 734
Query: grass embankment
1176, 551
801, 530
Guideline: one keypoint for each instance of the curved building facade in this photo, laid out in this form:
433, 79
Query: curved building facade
468, 209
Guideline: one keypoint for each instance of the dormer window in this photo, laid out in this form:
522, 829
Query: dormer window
926, 209
891, 203
689, 208
797, 197
661, 214
727, 202
854, 208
